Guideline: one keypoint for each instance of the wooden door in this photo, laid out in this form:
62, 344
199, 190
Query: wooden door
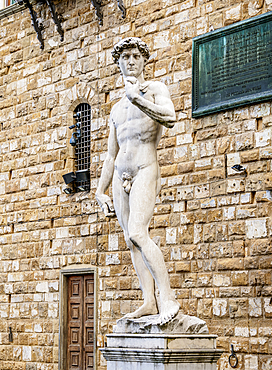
80, 351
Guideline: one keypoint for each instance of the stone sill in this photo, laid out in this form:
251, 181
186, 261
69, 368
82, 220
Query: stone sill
162, 356
13, 9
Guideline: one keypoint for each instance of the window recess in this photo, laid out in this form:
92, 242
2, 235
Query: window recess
81, 141
83, 147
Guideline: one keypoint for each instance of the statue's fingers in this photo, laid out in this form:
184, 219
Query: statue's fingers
111, 207
105, 209
111, 214
108, 209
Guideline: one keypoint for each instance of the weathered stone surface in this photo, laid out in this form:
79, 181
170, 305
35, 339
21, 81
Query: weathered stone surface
166, 351
147, 325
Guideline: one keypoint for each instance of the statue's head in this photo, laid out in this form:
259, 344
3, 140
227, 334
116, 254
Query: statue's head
130, 43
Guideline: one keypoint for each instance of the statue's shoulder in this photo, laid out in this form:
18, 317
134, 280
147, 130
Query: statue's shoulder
157, 87
116, 109
117, 105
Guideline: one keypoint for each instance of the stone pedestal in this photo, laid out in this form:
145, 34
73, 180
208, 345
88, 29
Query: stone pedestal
153, 347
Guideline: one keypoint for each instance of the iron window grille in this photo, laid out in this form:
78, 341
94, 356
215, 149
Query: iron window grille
83, 146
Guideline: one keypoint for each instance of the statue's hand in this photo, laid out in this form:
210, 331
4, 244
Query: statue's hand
132, 88
106, 204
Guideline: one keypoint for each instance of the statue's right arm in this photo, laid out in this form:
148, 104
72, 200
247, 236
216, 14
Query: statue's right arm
107, 173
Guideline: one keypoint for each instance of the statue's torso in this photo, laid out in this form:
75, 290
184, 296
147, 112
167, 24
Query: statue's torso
137, 135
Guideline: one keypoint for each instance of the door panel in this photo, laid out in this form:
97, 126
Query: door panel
89, 361
81, 322
75, 290
89, 321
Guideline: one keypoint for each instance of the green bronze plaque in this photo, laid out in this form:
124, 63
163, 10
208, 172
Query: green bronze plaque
232, 66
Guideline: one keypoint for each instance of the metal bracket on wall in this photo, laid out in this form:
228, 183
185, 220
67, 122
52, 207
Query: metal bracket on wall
10, 335
233, 355
122, 8
56, 18
98, 10
38, 27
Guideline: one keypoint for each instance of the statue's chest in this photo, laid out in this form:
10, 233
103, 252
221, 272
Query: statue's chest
128, 113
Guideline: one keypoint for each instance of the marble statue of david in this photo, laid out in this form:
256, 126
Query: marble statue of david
136, 124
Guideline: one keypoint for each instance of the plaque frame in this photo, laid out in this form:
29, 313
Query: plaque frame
199, 110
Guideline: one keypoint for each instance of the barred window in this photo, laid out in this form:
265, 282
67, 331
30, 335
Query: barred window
82, 114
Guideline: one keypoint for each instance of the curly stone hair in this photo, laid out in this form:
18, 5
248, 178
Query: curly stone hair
129, 43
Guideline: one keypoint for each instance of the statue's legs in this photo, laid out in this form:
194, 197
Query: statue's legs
142, 202
141, 205
121, 205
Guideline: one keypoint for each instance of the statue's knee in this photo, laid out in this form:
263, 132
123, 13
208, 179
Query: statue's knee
128, 241
135, 238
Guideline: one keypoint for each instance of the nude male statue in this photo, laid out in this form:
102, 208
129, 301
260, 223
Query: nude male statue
136, 123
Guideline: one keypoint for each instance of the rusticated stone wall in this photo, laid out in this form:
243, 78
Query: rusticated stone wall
213, 225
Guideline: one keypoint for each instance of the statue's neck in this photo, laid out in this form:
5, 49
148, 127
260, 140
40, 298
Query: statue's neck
140, 78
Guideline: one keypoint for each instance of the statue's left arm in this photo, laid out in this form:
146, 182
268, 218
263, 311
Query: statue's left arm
162, 110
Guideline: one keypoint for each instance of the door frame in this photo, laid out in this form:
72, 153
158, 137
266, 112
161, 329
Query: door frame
65, 273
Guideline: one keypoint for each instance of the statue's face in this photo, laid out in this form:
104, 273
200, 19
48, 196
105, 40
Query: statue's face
131, 62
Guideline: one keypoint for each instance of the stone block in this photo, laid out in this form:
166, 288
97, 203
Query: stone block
255, 307
171, 170
244, 142
224, 144
264, 196
266, 153
185, 167
183, 266
230, 264
235, 185
113, 242
233, 15
249, 156
236, 228
220, 280
215, 175
209, 233
198, 177
251, 362
214, 215
161, 221
220, 307
208, 203
171, 235
246, 212
263, 138
238, 248
185, 193
202, 191
187, 218
256, 228
239, 278
125, 283
268, 181
265, 262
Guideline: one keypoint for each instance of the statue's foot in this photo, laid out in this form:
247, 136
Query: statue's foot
169, 310
145, 310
